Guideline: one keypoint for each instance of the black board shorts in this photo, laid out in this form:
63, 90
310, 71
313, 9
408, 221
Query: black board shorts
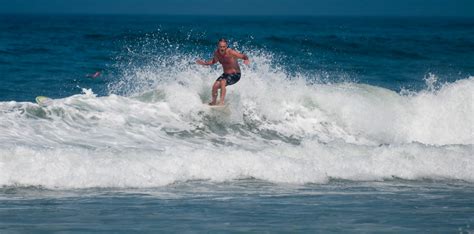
231, 78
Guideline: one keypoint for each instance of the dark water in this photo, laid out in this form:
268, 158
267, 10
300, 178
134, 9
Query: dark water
245, 206
50, 55
338, 125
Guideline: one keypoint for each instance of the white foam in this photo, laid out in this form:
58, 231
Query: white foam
310, 163
279, 128
439, 117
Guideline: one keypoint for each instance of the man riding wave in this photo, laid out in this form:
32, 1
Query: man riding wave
227, 57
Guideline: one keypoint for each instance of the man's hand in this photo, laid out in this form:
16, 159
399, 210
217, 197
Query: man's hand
246, 62
200, 62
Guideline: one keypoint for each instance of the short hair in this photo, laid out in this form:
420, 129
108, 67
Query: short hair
222, 40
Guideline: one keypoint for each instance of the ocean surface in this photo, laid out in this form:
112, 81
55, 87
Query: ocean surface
339, 124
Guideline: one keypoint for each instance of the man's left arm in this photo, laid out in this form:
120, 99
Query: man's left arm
241, 56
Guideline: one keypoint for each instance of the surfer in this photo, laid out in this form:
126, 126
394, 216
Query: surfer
95, 75
228, 58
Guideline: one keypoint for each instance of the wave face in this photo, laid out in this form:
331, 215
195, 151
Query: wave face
153, 130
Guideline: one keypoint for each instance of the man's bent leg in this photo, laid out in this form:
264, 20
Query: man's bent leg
223, 90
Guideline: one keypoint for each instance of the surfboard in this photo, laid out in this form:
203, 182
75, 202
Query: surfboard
43, 100
218, 108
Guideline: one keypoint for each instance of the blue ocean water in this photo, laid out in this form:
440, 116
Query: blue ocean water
339, 124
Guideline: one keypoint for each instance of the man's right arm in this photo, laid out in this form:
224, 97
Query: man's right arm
208, 63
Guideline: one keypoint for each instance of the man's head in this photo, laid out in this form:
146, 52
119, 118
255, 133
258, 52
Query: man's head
222, 45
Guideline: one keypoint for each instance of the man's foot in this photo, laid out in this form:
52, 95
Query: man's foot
221, 103
212, 103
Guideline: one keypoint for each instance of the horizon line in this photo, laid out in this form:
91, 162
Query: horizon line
231, 15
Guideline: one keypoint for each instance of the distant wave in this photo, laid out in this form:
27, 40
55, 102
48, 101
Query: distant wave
376, 46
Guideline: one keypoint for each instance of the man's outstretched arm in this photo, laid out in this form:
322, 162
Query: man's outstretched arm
207, 63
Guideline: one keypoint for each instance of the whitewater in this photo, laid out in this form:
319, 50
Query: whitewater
153, 129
